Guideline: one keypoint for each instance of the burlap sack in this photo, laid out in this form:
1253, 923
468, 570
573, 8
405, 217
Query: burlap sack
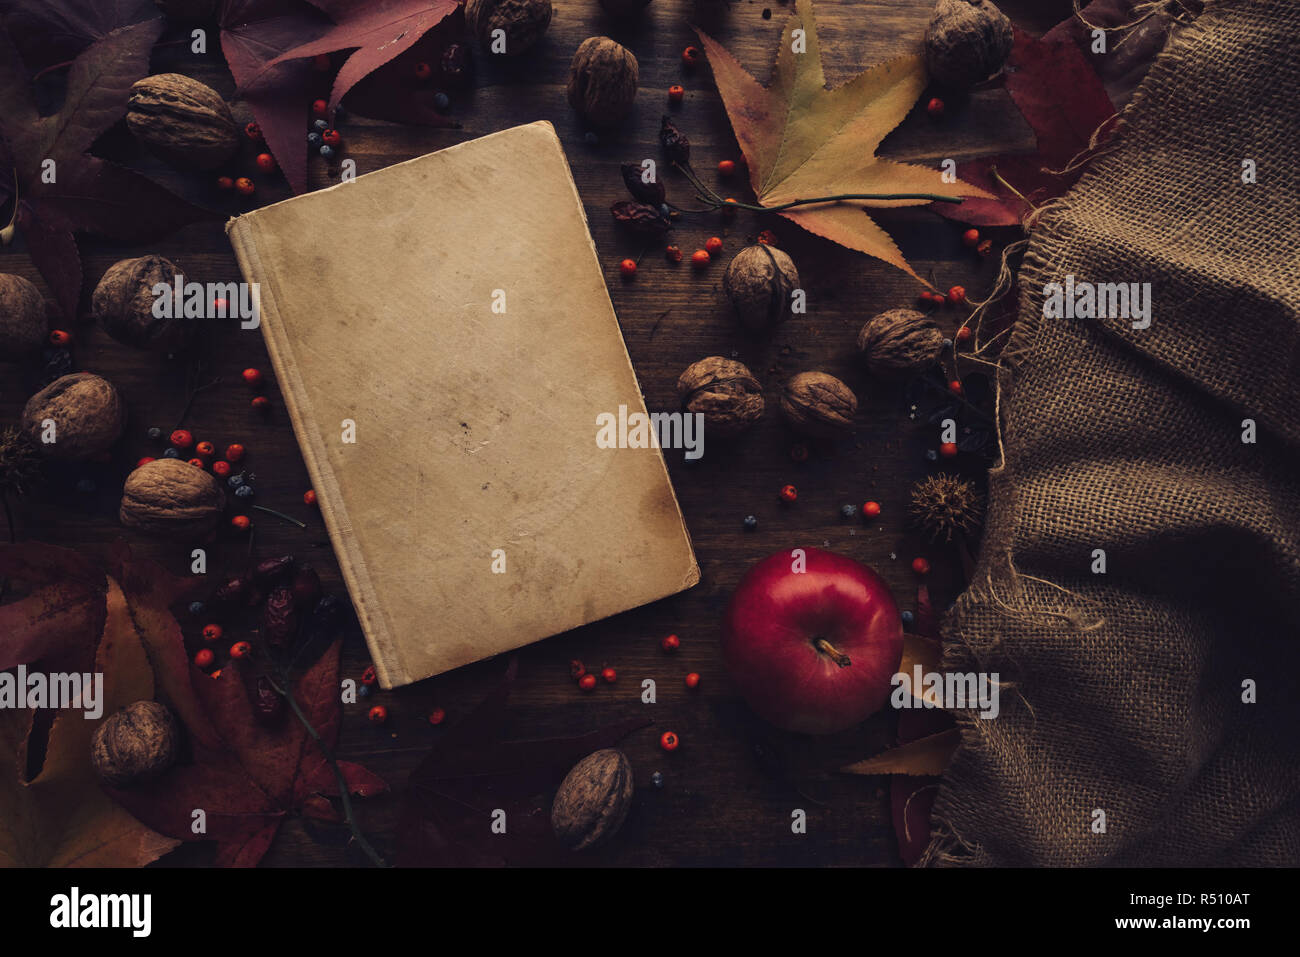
1124, 691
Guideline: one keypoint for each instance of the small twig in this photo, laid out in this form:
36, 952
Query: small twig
189, 404
993, 171
280, 515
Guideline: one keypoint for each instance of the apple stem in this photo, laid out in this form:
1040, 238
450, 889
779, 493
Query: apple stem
826, 648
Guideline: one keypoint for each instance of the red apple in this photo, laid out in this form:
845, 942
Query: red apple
812, 640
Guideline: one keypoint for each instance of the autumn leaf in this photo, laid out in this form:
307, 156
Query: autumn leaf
802, 140
927, 755
59, 188
61, 616
470, 771
60, 817
50, 32
1064, 102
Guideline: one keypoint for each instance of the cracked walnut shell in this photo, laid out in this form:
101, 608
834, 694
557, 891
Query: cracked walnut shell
724, 391
819, 405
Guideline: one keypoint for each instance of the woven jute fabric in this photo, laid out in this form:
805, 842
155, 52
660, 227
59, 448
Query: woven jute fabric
1150, 713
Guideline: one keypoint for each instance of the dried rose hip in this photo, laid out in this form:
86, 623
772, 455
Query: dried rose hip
280, 618
273, 569
643, 192
640, 217
306, 588
268, 705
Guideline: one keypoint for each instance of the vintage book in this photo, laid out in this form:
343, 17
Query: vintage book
450, 314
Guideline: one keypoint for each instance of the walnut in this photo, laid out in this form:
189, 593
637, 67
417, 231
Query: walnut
623, 8
966, 41
593, 800
123, 304
135, 745
602, 81
726, 392
172, 498
899, 342
182, 121
759, 282
74, 417
522, 23
819, 404
22, 317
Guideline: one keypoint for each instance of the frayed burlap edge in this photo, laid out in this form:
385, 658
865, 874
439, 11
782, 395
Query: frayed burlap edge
996, 581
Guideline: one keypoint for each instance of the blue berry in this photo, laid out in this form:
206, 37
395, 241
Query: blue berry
751, 523
590, 138
86, 486
665, 210
155, 433
245, 491
235, 480
170, 453
327, 151
947, 343
907, 617
931, 455
321, 126
657, 779
196, 607
314, 140
363, 691
441, 101
848, 511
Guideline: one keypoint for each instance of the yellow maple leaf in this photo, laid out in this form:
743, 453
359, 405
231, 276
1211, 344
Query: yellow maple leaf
802, 140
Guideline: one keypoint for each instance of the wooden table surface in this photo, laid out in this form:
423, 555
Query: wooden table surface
722, 804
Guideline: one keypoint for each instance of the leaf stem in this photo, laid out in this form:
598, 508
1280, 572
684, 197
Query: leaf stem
717, 202
344, 795
280, 515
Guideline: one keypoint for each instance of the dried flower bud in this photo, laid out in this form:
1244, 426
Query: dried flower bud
640, 218
900, 342
966, 41
725, 391
602, 81
819, 404
643, 192
456, 66
759, 282
676, 146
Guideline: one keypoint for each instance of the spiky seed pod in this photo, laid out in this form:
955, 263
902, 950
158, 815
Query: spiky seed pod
944, 505
19, 461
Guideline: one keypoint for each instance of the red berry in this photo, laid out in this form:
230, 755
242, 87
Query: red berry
628, 268
212, 632
670, 644
221, 467
369, 677
242, 522
934, 107
726, 167
767, 237
437, 716
225, 183
331, 138
204, 658
234, 452
241, 649
145, 461
957, 295
728, 202
377, 715
799, 452
220, 307
668, 741
963, 334
788, 493
205, 449
198, 463
948, 450
245, 186
925, 299
182, 439
714, 245
321, 62
309, 497
985, 247
920, 566
576, 669
587, 682
261, 403
690, 56
59, 338
423, 71
700, 258
252, 376
266, 162
971, 238
320, 109
673, 254
253, 132
608, 675
692, 680
871, 509
955, 387
676, 94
